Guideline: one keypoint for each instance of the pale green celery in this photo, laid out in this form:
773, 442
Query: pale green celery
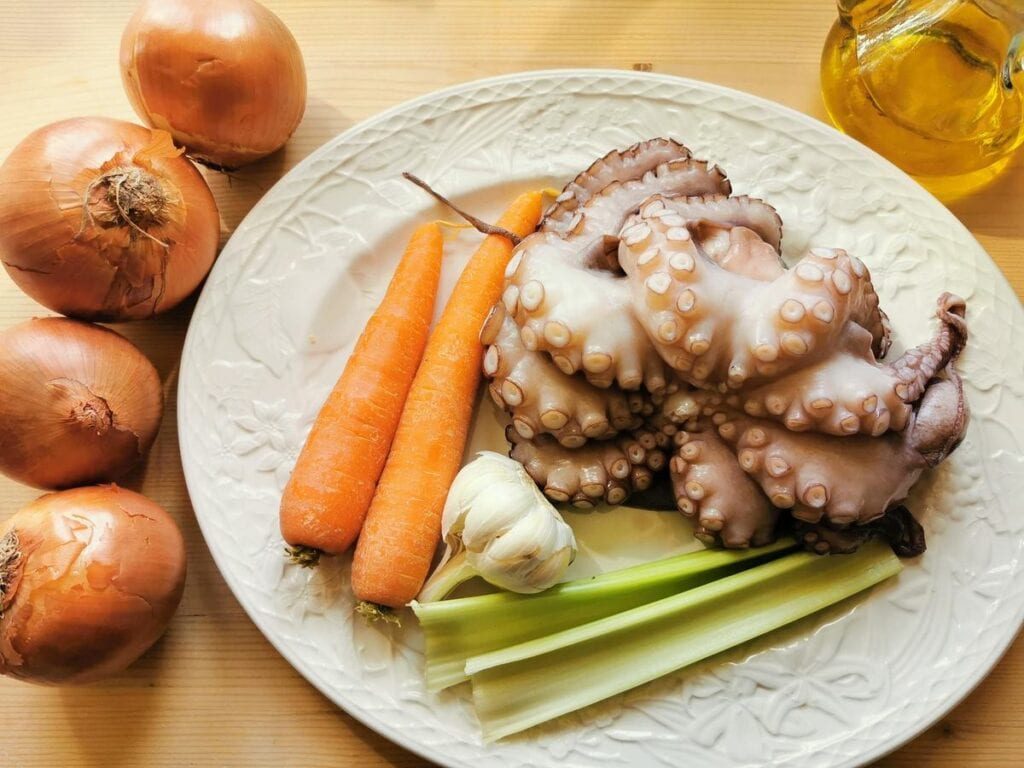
449, 574
470, 626
518, 687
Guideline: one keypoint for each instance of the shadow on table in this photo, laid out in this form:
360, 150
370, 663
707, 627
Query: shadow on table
238, 191
996, 209
112, 720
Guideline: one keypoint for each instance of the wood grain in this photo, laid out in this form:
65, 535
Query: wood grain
214, 692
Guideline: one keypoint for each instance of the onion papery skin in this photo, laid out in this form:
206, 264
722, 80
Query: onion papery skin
225, 78
79, 403
65, 243
92, 581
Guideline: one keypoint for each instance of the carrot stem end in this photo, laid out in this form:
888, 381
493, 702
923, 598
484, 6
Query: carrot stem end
306, 557
373, 612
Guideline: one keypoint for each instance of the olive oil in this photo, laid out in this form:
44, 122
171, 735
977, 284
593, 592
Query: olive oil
929, 87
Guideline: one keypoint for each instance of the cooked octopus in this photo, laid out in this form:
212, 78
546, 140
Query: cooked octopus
566, 292
608, 470
541, 400
650, 324
846, 480
787, 313
711, 487
632, 163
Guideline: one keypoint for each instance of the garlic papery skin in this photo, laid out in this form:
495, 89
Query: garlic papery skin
497, 525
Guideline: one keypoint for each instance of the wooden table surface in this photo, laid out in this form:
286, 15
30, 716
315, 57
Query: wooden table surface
214, 692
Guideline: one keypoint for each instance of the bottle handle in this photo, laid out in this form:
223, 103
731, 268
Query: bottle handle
1014, 63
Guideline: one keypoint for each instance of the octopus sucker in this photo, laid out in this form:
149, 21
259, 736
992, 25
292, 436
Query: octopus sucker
641, 478
510, 298
569, 290
849, 393
609, 470
718, 210
710, 486
650, 327
853, 480
919, 365
540, 398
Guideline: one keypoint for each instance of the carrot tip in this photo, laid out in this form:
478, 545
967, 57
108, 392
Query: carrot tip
550, 192
373, 612
307, 557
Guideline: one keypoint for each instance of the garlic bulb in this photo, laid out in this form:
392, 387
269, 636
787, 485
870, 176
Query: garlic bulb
499, 526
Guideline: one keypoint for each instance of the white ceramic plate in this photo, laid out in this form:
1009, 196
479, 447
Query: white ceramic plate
292, 289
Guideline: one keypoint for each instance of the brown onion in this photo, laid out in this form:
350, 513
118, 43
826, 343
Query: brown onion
78, 403
104, 220
89, 580
225, 78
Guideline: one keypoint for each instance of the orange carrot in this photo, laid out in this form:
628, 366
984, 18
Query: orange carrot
330, 489
403, 525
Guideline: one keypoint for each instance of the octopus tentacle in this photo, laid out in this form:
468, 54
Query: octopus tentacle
686, 302
816, 476
917, 366
617, 165
568, 302
844, 394
589, 238
607, 470
731, 244
825, 539
941, 419
582, 320
798, 350
726, 212
897, 526
735, 232
541, 399
850, 480
848, 393
708, 484
685, 407
651, 316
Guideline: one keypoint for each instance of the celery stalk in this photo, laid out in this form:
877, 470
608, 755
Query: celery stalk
464, 627
518, 687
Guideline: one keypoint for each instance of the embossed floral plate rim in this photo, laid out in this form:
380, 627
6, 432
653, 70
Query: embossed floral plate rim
257, 227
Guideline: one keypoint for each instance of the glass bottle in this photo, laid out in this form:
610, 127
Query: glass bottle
933, 85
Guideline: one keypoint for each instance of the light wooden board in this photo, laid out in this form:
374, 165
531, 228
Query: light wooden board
213, 692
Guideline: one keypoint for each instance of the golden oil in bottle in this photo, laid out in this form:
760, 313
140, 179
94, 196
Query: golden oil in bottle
930, 90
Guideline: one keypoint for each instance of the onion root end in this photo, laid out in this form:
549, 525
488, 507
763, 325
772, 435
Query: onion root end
131, 197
